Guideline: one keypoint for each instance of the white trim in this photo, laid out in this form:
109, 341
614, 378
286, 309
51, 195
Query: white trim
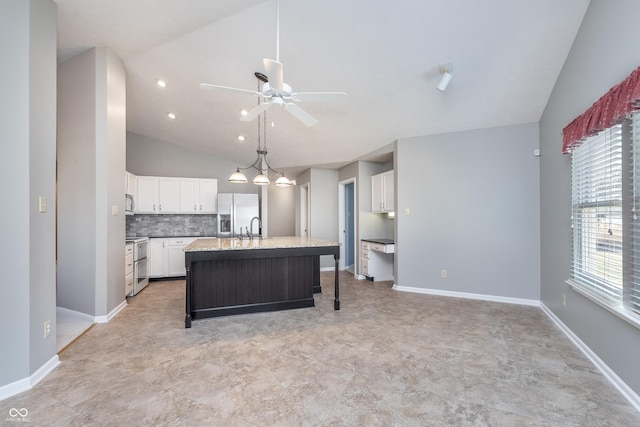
327, 269
481, 297
26, 384
360, 276
608, 373
112, 314
44, 370
616, 309
77, 314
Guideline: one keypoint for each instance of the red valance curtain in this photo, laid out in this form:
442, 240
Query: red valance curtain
607, 111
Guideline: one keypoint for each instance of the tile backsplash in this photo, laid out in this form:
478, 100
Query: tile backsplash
172, 225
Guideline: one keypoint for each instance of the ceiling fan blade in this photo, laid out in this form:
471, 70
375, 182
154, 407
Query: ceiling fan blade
275, 73
255, 111
300, 114
229, 89
319, 96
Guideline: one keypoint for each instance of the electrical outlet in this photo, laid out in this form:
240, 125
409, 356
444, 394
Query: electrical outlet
47, 328
443, 274
564, 299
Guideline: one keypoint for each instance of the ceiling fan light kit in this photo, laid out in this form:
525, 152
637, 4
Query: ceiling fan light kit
446, 70
261, 164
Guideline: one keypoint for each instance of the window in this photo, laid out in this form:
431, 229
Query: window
605, 190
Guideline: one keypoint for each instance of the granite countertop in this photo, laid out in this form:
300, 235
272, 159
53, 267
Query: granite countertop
225, 244
381, 241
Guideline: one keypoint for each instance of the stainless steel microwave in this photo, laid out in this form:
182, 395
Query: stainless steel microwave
129, 204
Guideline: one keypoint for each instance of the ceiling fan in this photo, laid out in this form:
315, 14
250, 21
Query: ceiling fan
275, 91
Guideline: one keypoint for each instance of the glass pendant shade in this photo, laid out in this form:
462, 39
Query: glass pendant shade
283, 181
261, 179
238, 177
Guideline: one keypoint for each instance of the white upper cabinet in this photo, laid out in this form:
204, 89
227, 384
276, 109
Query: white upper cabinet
382, 192
130, 183
164, 195
157, 195
198, 195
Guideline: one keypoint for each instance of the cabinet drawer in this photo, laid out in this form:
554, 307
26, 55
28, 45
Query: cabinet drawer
128, 249
128, 264
379, 247
365, 270
180, 241
364, 246
365, 253
365, 265
128, 284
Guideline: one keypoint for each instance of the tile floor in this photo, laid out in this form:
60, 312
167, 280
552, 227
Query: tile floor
68, 328
387, 358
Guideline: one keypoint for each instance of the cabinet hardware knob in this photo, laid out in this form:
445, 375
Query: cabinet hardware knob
194, 208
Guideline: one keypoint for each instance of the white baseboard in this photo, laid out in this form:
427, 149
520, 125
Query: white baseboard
327, 269
112, 313
77, 314
94, 319
25, 384
493, 298
613, 378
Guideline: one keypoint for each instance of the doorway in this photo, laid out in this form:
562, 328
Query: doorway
347, 224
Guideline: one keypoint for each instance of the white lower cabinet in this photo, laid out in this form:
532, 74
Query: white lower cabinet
128, 269
167, 256
157, 257
376, 260
175, 255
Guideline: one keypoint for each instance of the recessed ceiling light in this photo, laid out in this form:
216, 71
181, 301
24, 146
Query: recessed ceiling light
171, 115
161, 83
240, 137
243, 112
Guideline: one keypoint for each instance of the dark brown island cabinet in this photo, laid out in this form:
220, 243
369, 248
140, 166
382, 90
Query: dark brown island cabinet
231, 276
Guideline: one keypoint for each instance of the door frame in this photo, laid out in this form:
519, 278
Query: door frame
342, 223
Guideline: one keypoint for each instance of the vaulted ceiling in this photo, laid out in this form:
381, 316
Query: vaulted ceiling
385, 55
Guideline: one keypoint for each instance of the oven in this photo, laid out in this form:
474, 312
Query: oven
140, 263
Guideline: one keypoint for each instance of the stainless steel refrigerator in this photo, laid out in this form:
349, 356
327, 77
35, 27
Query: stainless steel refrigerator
235, 211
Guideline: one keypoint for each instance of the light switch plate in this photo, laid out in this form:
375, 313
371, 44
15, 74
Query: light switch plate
114, 210
42, 204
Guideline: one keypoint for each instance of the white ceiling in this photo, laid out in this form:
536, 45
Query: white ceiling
506, 56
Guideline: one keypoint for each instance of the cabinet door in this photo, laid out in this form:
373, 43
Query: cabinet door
388, 190
188, 195
376, 193
147, 191
207, 192
157, 258
168, 198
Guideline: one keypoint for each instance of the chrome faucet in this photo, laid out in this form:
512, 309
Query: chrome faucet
250, 233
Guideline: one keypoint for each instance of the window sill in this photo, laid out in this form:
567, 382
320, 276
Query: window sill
617, 309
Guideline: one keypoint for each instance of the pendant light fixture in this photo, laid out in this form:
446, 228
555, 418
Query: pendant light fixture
261, 164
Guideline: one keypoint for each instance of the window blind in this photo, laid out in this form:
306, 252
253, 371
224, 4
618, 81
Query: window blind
596, 180
634, 289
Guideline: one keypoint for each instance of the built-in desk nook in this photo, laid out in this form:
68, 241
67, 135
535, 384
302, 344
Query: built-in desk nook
232, 276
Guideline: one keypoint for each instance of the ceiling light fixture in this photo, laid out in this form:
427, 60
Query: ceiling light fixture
446, 70
161, 83
261, 164
171, 116
243, 112
241, 138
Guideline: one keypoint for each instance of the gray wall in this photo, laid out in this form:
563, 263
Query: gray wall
153, 157
474, 211
27, 168
599, 59
323, 206
281, 212
91, 165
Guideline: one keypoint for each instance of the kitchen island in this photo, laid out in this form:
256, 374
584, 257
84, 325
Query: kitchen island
231, 276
